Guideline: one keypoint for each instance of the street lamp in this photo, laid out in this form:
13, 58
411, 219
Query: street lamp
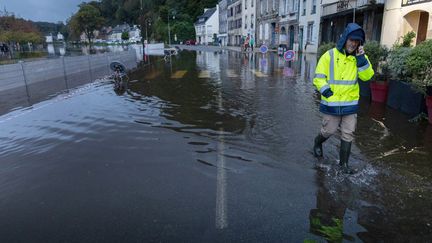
169, 31
147, 23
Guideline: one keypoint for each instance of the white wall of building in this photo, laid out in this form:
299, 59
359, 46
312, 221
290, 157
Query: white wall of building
398, 20
205, 32
310, 24
249, 18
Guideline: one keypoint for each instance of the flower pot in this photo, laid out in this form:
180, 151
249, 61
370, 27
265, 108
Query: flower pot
429, 107
379, 91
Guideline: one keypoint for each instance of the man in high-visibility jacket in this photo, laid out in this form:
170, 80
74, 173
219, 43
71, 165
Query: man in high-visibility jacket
336, 78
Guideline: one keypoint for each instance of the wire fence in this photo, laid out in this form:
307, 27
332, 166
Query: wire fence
61, 73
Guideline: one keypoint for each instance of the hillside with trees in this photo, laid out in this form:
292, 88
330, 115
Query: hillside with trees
154, 15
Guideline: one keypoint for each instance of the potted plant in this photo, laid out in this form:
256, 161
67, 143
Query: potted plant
377, 55
420, 66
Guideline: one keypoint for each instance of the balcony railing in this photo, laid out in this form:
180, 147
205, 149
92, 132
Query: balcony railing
411, 2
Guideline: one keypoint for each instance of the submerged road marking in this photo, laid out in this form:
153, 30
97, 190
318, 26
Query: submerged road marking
231, 74
204, 74
179, 74
260, 74
221, 181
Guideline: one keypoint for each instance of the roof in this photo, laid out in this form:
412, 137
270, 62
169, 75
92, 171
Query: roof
207, 14
121, 28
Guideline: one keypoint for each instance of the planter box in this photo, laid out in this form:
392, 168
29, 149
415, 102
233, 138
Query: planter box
429, 107
402, 97
379, 91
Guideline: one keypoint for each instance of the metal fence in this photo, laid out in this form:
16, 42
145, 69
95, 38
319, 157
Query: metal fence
61, 73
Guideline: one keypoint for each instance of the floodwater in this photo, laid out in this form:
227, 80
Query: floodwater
209, 147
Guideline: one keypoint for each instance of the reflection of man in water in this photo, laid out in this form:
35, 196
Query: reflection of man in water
327, 219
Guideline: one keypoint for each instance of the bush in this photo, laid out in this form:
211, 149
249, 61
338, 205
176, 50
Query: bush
419, 64
406, 40
397, 63
325, 47
376, 54
35, 54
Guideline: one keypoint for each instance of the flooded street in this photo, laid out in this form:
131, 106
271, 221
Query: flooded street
209, 147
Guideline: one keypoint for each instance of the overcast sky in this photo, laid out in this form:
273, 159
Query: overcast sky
42, 10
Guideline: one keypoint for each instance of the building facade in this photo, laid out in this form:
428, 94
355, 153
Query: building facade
288, 30
223, 23
234, 18
403, 16
267, 22
336, 15
309, 24
248, 18
207, 26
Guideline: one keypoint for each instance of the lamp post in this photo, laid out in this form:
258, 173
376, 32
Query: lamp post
141, 29
169, 30
147, 23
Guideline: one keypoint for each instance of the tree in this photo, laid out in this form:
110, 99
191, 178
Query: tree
13, 30
86, 20
125, 36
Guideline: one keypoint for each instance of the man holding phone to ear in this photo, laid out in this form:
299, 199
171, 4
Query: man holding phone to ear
336, 78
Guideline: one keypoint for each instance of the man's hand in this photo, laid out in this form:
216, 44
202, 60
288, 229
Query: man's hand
360, 51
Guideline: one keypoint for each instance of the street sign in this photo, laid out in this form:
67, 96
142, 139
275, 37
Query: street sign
263, 49
289, 55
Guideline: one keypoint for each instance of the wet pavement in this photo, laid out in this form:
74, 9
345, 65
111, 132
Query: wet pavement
208, 147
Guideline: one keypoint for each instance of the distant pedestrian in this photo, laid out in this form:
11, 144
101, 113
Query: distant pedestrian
336, 79
251, 43
246, 43
220, 42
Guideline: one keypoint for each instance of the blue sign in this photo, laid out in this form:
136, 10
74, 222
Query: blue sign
289, 55
263, 49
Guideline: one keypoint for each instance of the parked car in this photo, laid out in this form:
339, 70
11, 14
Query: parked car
190, 42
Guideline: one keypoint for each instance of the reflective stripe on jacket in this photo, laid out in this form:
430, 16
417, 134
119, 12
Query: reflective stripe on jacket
339, 72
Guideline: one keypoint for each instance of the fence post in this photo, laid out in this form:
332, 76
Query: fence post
64, 73
90, 68
25, 78
108, 61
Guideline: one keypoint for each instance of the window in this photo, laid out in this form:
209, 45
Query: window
252, 19
310, 31
274, 5
285, 7
262, 7
245, 23
313, 11
245, 4
252, 3
304, 7
294, 6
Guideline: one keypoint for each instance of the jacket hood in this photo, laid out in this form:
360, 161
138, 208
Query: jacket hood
350, 28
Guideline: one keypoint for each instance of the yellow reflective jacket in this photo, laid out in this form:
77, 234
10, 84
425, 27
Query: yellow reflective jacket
340, 73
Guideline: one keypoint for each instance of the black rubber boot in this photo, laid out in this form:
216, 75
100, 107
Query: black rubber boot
344, 154
317, 149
